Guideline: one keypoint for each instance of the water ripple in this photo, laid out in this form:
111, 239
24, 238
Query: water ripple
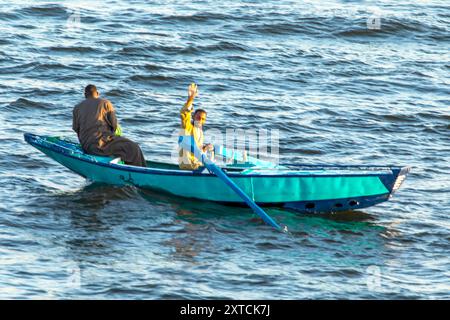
337, 91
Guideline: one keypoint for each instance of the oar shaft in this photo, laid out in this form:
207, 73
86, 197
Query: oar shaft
220, 174
187, 143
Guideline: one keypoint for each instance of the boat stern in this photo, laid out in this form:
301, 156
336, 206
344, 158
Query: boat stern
394, 181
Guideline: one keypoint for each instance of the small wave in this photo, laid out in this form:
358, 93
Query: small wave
405, 25
55, 66
49, 10
359, 33
114, 26
236, 57
26, 67
74, 49
197, 17
395, 26
155, 67
315, 26
399, 117
26, 26
8, 16
37, 66
327, 111
148, 51
20, 160
277, 28
297, 79
225, 46
437, 129
266, 245
135, 120
219, 87
110, 43
309, 151
23, 103
116, 93
434, 116
98, 193
152, 78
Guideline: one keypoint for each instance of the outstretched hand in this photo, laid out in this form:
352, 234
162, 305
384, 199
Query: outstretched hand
192, 91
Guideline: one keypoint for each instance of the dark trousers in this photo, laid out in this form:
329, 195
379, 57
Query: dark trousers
127, 150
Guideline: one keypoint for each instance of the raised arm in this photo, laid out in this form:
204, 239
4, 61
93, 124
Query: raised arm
186, 111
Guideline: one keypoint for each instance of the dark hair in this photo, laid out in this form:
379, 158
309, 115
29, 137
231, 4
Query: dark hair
199, 111
89, 90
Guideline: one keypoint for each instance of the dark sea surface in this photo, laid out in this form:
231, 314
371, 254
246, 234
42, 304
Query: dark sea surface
338, 91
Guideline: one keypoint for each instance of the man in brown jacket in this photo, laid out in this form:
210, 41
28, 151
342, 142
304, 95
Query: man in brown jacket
95, 122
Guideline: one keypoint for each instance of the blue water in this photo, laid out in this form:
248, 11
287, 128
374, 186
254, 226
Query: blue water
338, 91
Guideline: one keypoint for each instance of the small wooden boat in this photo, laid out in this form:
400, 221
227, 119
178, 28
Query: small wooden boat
306, 188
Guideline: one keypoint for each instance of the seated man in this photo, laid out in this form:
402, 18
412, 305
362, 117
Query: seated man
95, 122
194, 128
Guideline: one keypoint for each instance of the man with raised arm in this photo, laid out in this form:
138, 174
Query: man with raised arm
192, 125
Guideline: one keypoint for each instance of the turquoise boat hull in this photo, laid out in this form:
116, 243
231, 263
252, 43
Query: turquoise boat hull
303, 188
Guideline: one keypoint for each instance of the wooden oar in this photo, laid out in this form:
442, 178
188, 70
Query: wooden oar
187, 143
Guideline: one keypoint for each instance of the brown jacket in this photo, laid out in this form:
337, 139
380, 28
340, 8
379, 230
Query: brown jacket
94, 121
